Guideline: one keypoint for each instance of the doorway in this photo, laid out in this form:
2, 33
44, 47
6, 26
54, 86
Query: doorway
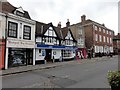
48, 54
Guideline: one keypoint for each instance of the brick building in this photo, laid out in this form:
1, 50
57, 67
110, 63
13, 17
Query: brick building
116, 44
98, 38
79, 34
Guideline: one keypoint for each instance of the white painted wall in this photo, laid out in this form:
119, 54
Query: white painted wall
20, 29
2, 25
58, 53
39, 56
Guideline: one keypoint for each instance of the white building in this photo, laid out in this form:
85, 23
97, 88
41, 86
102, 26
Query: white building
19, 32
53, 41
47, 42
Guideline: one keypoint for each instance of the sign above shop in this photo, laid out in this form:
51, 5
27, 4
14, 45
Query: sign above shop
20, 43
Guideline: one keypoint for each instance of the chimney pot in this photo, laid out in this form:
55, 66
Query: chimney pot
59, 24
68, 23
83, 18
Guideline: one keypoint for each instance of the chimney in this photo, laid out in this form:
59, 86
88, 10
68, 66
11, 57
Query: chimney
59, 25
83, 18
68, 23
103, 24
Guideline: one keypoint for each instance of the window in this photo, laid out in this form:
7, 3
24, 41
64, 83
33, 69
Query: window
96, 37
99, 29
12, 29
100, 37
19, 13
27, 32
107, 39
103, 30
107, 31
95, 27
104, 38
111, 40
66, 53
80, 31
110, 32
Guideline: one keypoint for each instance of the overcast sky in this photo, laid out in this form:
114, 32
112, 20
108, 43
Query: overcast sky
101, 11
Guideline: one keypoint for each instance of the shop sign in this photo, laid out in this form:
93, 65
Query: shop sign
20, 43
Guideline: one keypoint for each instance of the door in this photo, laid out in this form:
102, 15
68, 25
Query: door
48, 54
29, 56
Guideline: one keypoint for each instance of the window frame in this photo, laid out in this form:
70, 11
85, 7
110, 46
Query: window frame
26, 32
9, 22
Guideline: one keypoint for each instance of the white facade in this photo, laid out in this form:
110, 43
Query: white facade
2, 25
103, 49
17, 42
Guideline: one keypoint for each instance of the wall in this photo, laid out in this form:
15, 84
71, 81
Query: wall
89, 36
56, 53
19, 42
40, 56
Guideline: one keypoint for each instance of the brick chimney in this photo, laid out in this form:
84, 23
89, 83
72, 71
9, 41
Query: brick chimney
59, 25
68, 23
83, 18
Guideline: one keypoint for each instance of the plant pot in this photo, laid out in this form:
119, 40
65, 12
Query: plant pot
115, 87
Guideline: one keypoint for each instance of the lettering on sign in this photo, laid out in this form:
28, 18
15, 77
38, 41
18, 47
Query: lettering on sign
19, 43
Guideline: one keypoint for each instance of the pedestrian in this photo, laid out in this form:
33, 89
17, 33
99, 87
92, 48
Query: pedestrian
53, 59
45, 60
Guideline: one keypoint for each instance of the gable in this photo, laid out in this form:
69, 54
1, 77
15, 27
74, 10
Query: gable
50, 32
69, 36
19, 11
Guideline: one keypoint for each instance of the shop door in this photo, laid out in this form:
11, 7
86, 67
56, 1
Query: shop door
48, 54
29, 56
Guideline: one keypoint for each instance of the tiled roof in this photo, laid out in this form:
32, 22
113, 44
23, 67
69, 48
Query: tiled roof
65, 31
8, 8
41, 28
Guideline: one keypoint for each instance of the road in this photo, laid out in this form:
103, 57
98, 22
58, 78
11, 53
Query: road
73, 75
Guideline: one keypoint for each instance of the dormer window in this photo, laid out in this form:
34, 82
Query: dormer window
19, 11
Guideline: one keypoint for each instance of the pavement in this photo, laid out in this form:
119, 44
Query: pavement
21, 69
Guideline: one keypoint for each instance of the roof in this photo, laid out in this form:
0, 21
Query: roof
41, 28
65, 31
8, 8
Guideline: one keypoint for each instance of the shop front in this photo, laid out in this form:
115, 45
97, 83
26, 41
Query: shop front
49, 51
19, 53
20, 57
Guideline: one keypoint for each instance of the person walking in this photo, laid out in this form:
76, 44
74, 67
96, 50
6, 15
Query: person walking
53, 59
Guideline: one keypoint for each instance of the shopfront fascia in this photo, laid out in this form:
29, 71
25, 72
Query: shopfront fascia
19, 53
56, 51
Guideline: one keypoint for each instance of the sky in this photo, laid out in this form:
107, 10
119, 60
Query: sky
55, 11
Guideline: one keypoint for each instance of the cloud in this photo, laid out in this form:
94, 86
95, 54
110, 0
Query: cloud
101, 11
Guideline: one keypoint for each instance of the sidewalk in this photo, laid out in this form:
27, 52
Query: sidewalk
21, 69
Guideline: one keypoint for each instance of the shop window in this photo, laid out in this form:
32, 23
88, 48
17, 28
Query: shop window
12, 29
27, 32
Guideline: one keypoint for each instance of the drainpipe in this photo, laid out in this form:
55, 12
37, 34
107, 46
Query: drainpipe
5, 62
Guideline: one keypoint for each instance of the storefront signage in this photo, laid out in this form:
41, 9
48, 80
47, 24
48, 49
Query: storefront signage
54, 46
20, 43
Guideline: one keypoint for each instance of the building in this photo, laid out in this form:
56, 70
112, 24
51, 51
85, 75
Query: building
68, 42
79, 34
18, 30
47, 42
98, 38
116, 44
51, 42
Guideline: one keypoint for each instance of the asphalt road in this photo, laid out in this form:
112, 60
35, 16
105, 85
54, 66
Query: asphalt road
73, 75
